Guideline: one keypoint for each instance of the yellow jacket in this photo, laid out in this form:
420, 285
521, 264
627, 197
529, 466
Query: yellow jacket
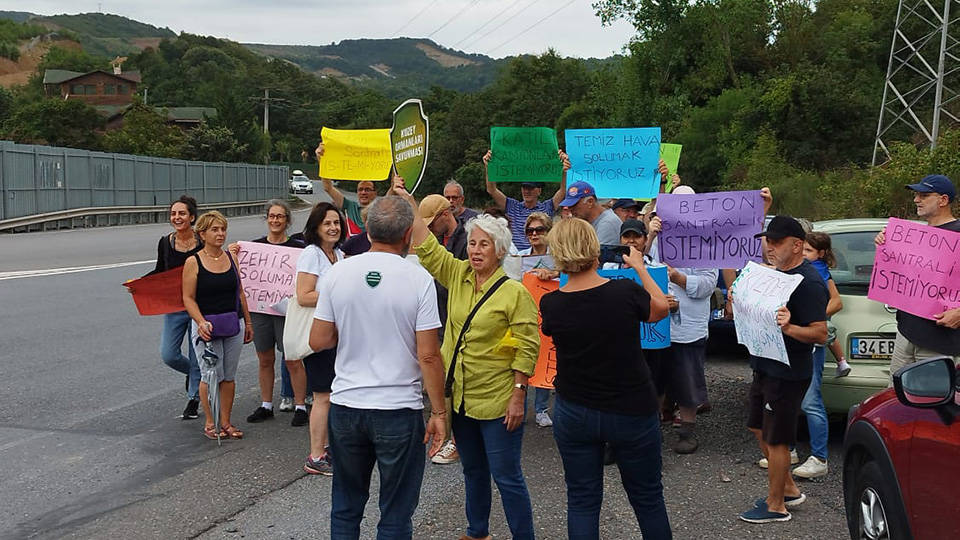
503, 336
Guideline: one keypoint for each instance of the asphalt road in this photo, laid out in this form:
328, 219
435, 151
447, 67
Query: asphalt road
92, 445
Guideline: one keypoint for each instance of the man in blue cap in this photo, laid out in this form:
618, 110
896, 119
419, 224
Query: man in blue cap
919, 338
626, 209
582, 201
517, 211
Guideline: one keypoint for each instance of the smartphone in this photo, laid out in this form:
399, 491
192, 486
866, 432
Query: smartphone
614, 254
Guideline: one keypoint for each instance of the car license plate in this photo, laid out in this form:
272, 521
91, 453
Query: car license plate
871, 347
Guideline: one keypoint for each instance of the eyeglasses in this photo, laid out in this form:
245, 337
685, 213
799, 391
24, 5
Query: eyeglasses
276, 216
366, 190
537, 230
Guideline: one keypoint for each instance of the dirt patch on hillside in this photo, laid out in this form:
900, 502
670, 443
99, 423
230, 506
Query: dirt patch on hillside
31, 52
146, 43
444, 59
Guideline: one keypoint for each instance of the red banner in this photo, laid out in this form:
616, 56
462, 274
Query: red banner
158, 294
546, 368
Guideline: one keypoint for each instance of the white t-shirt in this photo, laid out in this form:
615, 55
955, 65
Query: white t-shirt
314, 261
378, 301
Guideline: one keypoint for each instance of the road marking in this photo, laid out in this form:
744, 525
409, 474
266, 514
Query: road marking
17, 274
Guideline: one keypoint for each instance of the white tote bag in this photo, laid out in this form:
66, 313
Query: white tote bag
296, 330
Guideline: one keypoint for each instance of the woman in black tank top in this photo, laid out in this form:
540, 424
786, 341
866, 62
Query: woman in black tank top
211, 286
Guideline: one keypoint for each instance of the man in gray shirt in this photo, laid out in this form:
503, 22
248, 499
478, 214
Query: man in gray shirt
581, 199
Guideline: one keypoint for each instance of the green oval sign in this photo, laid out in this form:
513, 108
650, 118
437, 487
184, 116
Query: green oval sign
409, 138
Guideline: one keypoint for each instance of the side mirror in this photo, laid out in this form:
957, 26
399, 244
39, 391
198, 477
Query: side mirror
927, 384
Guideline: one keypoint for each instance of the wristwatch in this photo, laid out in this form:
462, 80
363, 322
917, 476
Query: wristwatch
520, 386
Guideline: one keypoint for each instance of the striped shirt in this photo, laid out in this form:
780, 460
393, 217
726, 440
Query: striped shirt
517, 213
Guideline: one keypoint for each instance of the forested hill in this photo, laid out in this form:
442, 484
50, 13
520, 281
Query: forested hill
98, 33
393, 65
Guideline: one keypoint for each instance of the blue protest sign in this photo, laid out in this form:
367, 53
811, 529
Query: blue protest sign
652, 335
617, 162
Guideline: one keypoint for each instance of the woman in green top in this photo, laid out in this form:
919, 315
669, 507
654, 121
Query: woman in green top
498, 354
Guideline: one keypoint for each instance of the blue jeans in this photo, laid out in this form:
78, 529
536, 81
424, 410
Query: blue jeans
175, 326
487, 449
286, 388
581, 433
391, 439
812, 406
541, 399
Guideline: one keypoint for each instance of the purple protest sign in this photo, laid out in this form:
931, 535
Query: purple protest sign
917, 269
710, 230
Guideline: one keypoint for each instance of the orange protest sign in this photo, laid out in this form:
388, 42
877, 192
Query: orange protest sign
546, 368
158, 294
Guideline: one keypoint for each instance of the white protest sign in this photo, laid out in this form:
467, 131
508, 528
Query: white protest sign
757, 295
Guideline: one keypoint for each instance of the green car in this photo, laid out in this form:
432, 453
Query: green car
865, 328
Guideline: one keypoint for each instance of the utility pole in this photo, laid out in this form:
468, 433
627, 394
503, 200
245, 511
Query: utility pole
923, 75
266, 99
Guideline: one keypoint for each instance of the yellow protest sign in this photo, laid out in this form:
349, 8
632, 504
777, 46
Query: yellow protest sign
356, 154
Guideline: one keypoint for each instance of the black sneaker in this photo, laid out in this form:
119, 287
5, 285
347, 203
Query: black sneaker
300, 418
259, 415
190, 411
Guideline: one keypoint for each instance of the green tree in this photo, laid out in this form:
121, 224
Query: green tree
212, 143
145, 132
55, 122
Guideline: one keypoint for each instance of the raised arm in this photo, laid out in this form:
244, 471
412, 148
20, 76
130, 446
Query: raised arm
499, 198
561, 193
420, 230
659, 307
328, 186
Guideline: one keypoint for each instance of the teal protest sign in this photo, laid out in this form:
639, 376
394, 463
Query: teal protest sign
618, 163
524, 154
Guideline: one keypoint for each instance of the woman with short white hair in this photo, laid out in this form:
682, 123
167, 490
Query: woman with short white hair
488, 359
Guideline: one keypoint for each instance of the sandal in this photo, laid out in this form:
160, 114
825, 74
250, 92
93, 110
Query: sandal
232, 432
210, 432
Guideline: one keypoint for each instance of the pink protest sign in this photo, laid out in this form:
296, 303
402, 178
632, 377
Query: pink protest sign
268, 274
917, 269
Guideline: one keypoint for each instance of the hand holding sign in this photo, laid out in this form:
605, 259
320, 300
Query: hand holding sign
759, 295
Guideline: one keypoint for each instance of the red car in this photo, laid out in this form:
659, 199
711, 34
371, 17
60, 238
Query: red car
901, 463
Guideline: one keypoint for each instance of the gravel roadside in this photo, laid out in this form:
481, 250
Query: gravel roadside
704, 491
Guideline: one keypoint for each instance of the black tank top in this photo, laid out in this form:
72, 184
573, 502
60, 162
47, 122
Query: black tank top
216, 292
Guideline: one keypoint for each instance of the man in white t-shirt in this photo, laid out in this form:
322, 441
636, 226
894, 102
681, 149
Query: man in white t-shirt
376, 412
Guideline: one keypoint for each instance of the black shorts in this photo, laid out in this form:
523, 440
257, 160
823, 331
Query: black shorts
775, 407
683, 373
657, 360
319, 368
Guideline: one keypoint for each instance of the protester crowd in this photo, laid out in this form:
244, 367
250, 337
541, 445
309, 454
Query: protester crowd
386, 330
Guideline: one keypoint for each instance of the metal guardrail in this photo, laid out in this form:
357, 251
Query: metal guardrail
26, 222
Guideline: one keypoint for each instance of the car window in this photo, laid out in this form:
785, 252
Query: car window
855, 253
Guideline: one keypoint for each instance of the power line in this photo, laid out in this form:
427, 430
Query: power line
499, 26
484, 25
415, 17
455, 15
527, 29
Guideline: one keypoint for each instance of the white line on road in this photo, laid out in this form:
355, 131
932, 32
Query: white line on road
17, 274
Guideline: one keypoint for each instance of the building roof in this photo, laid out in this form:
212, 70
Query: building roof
57, 76
173, 114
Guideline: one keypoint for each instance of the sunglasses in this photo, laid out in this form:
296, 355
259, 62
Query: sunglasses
538, 230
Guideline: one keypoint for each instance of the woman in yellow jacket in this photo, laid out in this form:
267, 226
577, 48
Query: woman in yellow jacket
497, 355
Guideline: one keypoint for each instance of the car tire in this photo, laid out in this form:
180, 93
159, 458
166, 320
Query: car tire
875, 509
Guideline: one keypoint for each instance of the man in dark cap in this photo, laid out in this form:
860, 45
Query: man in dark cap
777, 388
517, 211
626, 209
919, 338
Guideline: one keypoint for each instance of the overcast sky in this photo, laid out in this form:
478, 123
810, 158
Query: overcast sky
512, 26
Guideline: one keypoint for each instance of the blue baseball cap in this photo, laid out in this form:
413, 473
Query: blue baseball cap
935, 183
577, 191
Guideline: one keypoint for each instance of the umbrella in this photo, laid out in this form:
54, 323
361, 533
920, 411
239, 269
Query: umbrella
208, 374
